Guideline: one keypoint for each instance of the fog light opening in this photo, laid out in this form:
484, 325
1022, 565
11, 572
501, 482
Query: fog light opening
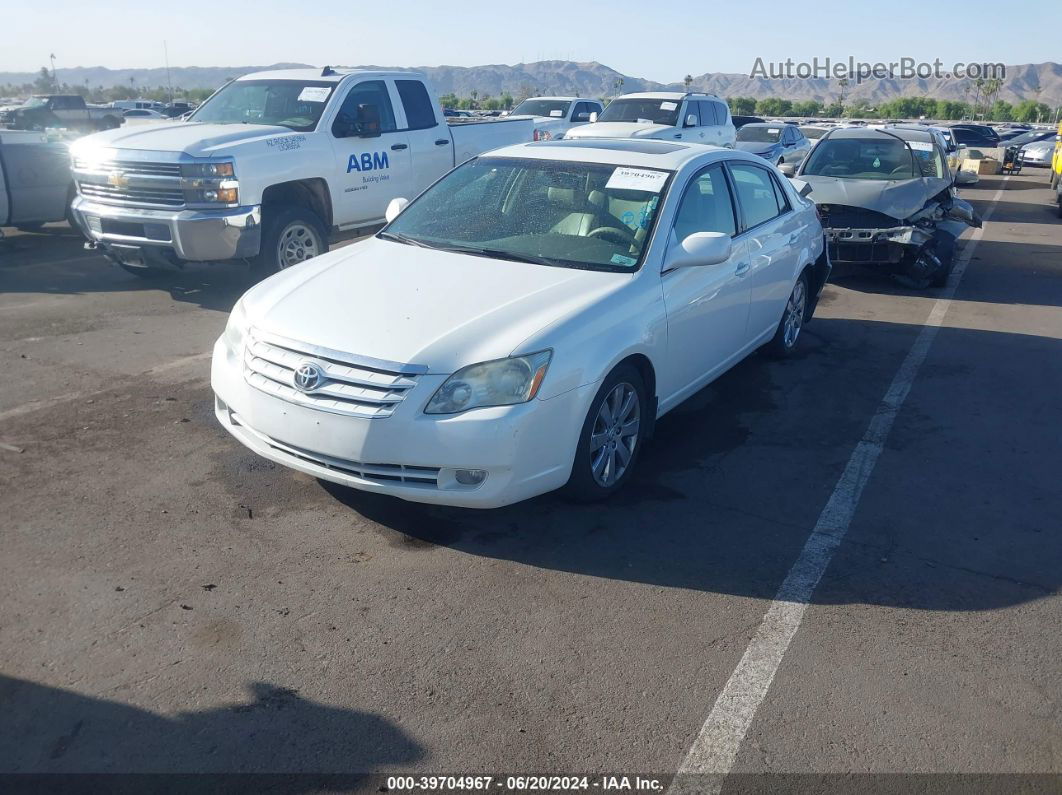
470, 477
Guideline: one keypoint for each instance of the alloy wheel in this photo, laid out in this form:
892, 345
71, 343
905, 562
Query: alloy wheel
615, 434
794, 314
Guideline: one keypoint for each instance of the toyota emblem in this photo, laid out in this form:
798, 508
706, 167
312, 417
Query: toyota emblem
308, 377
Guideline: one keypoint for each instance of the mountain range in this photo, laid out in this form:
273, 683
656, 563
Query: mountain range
1040, 82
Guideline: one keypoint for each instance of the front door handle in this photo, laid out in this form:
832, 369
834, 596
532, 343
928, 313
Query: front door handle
794, 238
442, 142
742, 269
397, 147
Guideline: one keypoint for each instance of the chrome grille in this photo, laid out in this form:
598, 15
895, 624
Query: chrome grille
379, 473
137, 196
129, 167
354, 386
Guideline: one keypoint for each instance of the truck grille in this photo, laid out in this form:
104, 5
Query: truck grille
352, 385
161, 197
130, 182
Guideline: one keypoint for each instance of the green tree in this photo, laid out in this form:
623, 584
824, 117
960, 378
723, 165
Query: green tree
1002, 111
773, 106
742, 106
808, 107
44, 84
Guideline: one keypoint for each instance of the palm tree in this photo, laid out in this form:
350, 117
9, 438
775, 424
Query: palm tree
688, 80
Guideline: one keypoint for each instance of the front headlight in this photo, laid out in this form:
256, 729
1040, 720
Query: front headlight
236, 328
502, 382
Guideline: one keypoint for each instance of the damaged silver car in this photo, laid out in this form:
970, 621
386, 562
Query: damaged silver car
887, 200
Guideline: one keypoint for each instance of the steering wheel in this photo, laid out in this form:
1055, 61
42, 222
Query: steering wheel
613, 232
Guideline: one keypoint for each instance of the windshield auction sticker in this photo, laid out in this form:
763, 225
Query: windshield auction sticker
314, 94
637, 179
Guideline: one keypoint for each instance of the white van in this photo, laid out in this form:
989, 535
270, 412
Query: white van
695, 118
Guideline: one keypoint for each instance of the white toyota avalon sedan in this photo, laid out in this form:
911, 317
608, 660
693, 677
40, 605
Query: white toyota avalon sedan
522, 324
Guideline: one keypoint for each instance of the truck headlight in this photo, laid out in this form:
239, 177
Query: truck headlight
502, 382
208, 170
236, 329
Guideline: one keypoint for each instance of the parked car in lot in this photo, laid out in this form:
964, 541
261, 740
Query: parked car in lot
269, 166
555, 116
523, 323
35, 183
143, 113
776, 143
979, 135
1039, 154
887, 200
60, 110
698, 118
741, 121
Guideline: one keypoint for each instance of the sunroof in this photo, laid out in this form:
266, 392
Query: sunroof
621, 145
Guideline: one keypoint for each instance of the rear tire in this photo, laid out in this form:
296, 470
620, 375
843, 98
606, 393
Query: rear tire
290, 236
611, 437
1054, 179
786, 337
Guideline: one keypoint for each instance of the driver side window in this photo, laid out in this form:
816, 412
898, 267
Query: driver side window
706, 205
372, 93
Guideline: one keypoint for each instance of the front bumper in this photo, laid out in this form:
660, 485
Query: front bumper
526, 450
1037, 158
172, 236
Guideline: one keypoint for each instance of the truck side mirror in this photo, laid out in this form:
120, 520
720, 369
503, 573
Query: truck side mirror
593, 117
692, 120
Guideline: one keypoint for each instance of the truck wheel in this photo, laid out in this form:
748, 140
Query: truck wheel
1054, 180
290, 236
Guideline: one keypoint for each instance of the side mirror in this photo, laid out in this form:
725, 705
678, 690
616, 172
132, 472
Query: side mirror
700, 248
581, 117
692, 120
802, 187
593, 117
394, 208
788, 169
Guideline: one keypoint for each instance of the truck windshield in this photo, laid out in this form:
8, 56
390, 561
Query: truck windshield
654, 111
759, 135
548, 212
297, 104
557, 108
861, 158
35, 102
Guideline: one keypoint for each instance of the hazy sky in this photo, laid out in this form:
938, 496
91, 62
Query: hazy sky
660, 40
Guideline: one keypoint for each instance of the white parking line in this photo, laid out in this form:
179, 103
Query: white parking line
716, 747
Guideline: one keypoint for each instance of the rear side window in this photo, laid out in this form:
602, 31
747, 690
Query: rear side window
420, 115
721, 112
757, 193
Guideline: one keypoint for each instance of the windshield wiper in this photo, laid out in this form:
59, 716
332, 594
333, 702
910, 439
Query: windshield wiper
497, 253
409, 241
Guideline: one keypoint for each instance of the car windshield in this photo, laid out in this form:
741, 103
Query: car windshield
297, 104
861, 158
644, 111
35, 102
1028, 138
557, 108
813, 132
764, 135
549, 212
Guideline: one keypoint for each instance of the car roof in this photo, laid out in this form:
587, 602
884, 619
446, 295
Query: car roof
763, 124
842, 133
672, 95
620, 151
325, 75
559, 99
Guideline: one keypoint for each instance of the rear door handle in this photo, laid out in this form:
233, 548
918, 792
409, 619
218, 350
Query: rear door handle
442, 142
794, 238
396, 147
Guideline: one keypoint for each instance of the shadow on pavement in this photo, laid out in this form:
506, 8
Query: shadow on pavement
49, 730
727, 493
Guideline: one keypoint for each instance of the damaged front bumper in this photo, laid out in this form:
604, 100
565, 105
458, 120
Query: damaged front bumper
875, 245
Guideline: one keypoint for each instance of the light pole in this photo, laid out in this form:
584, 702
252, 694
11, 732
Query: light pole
55, 82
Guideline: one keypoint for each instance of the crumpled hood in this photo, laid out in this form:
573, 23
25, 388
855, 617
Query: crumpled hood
617, 129
755, 147
413, 305
899, 199
192, 138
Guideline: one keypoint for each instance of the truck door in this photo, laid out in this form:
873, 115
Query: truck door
429, 138
371, 155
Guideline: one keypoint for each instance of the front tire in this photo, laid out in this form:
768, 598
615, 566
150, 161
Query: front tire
290, 236
787, 334
611, 437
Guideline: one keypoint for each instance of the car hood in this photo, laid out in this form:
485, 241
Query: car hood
193, 138
755, 147
413, 305
899, 199
617, 129
1046, 146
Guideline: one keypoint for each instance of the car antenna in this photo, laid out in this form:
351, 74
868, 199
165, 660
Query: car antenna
328, 71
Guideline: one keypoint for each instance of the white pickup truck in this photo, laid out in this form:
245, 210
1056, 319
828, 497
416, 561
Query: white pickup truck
269, 167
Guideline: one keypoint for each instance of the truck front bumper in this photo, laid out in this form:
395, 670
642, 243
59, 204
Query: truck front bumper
161, 237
